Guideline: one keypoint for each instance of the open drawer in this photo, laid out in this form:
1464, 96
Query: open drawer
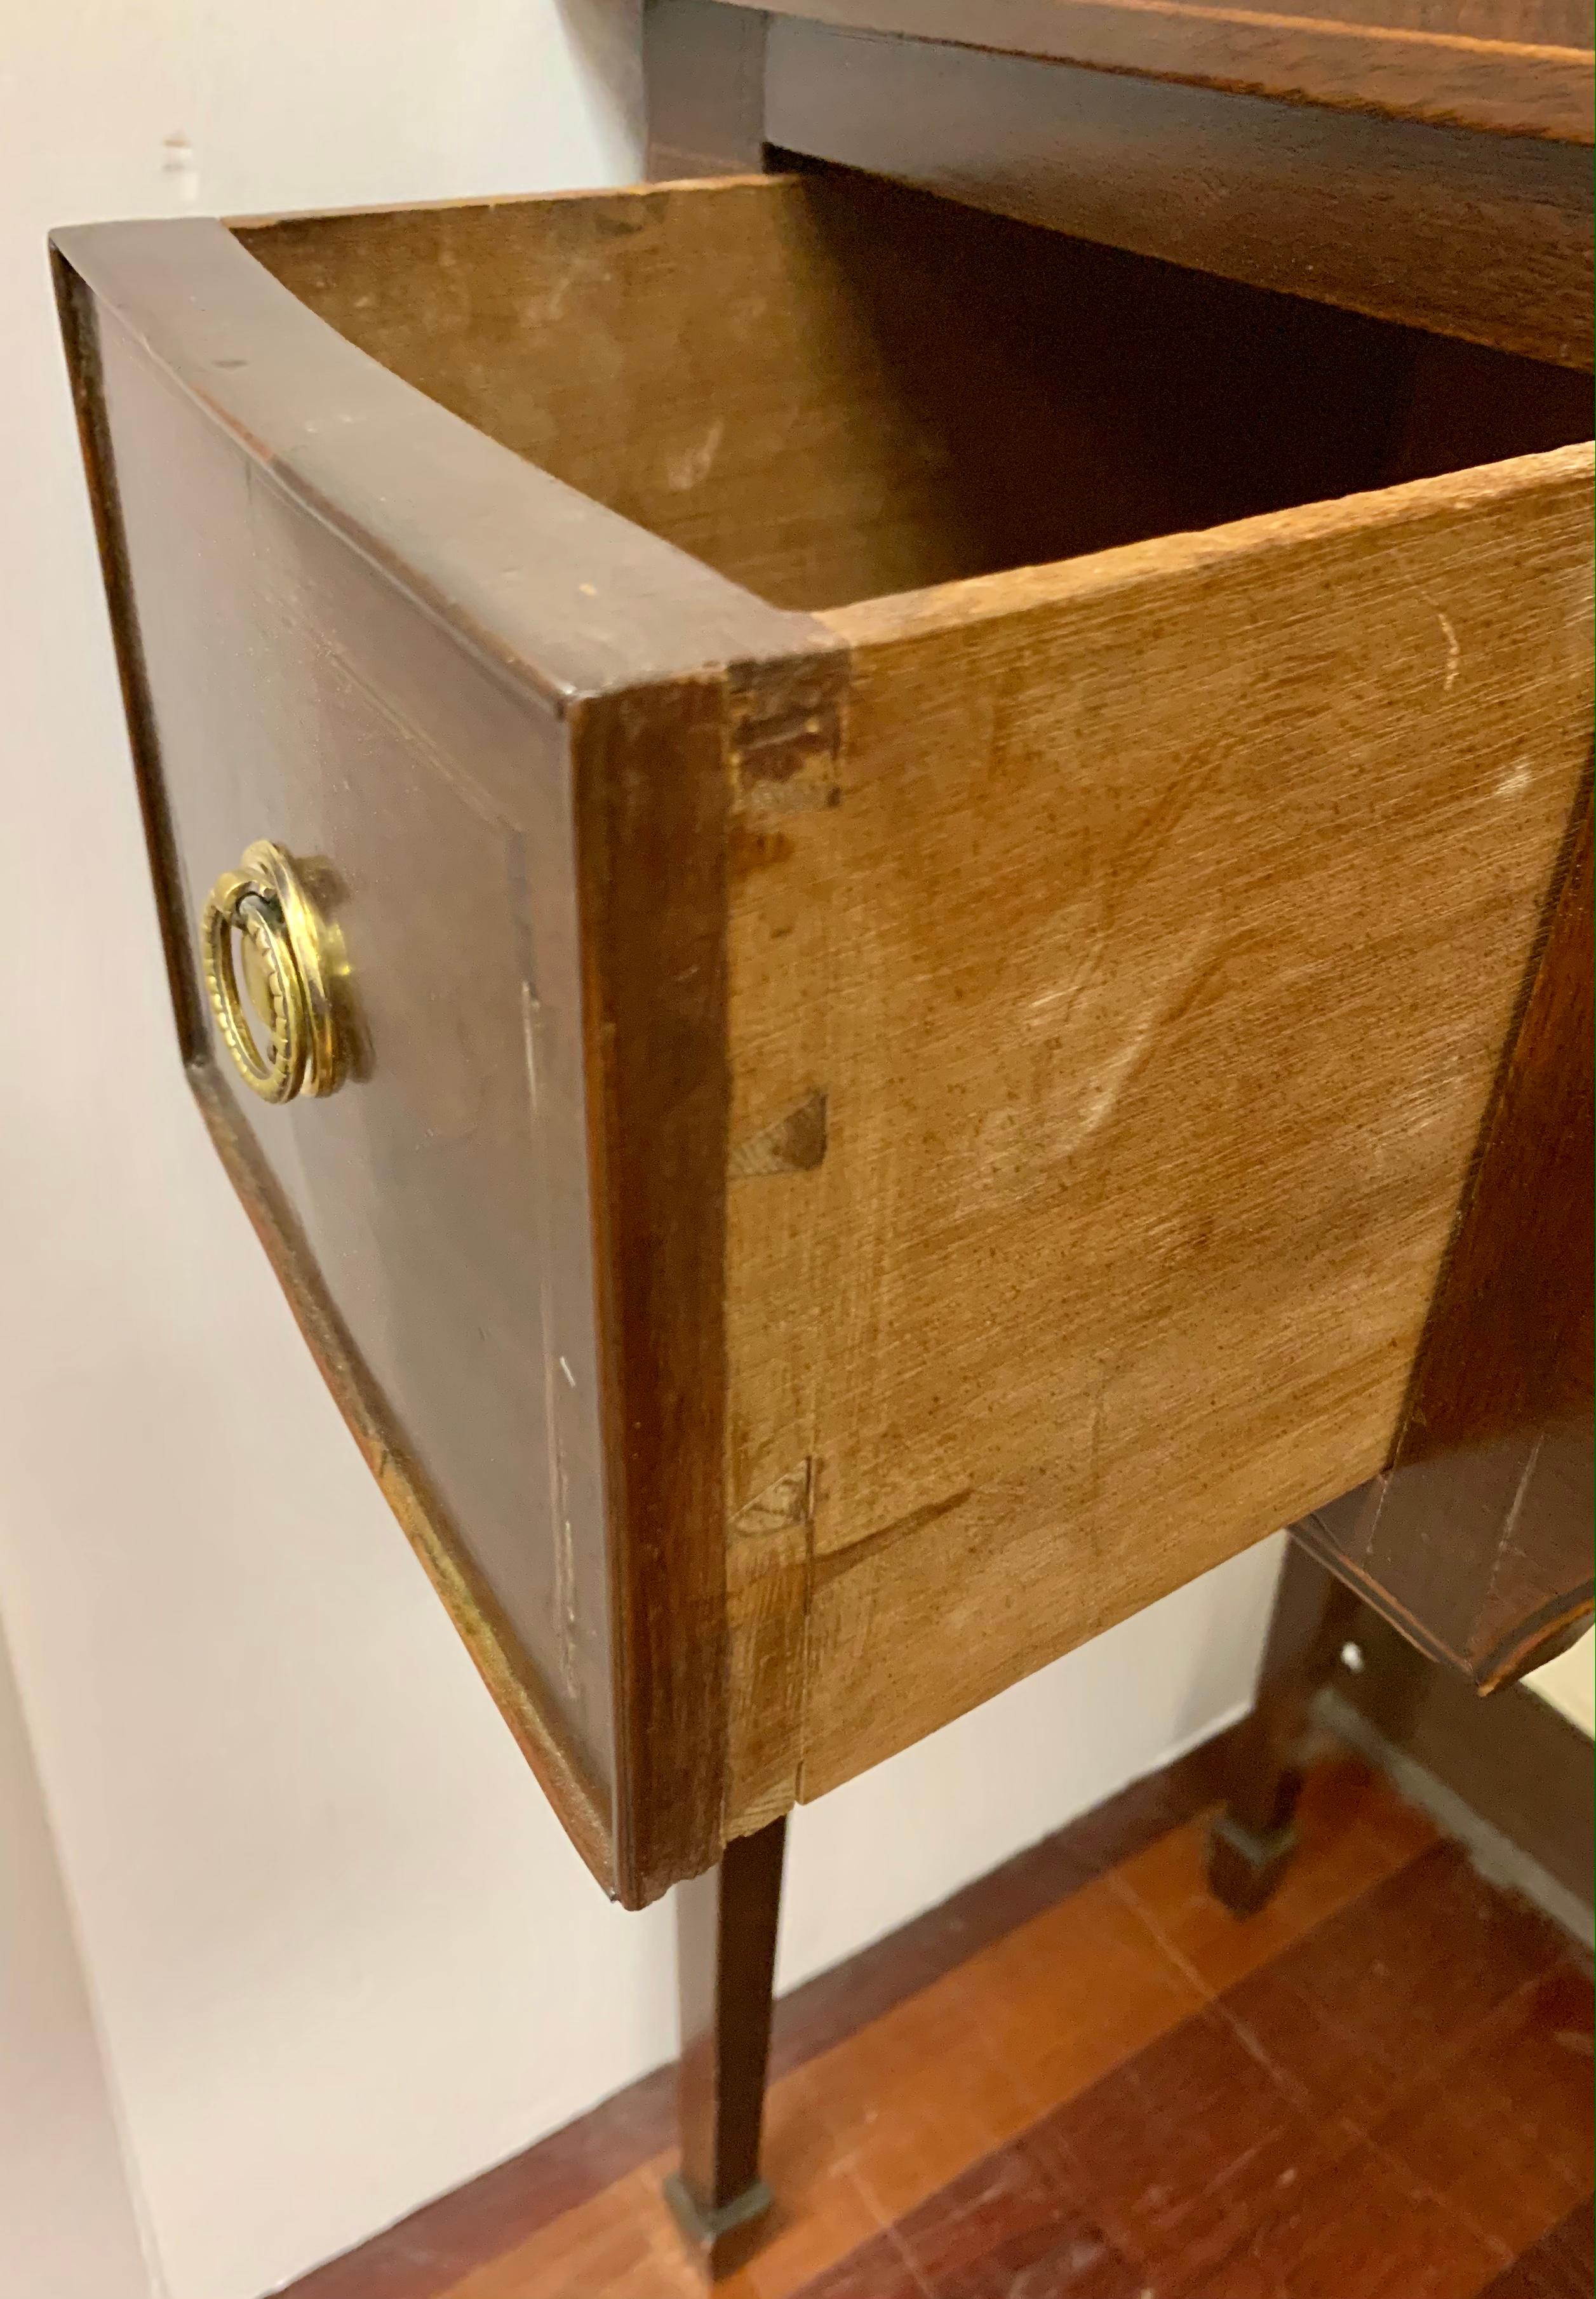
919, 842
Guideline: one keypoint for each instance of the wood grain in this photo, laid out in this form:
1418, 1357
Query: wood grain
696, 358
1044, 27
1560, 2266
1488, 237
760, 373
1495, 23
651, 847
1153, 1078
757, 372
1517, 69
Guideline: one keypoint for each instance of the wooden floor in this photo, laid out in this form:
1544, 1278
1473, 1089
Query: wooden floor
1082, 2080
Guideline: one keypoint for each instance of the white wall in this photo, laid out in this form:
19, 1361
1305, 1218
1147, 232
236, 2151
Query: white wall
340, 1955
1569, 1683
69, 2227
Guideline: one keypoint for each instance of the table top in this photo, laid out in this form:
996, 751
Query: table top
1508, 67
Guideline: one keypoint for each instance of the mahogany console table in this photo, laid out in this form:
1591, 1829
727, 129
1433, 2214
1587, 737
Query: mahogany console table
875, 870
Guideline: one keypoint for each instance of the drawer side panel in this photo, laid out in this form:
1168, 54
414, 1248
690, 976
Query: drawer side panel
1178, 906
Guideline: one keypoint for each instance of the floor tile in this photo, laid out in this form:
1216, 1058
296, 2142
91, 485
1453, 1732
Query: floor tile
1009, 2226
918, 2096
821, 2212
1075, 1992
1360, 2229
878, 2270
1370, 2005
1561, 2266
1505, 2130
621, 2243
1567, 2255
1185, 2150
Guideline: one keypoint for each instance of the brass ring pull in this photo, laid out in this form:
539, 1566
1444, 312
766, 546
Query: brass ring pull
288, 972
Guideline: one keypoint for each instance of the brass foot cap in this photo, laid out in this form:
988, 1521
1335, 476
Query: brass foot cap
1243, 1869
721, 2238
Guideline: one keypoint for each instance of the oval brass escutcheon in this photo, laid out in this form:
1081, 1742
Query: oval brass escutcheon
258, 923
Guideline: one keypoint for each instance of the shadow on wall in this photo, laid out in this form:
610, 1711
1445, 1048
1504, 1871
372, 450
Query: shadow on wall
606, 40
68, 2223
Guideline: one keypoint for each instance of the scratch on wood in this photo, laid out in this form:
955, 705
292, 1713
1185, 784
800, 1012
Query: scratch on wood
565, 1563
792, 1143
1454, 652
842, 1560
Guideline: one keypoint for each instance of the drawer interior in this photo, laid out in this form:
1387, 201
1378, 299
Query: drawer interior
830, 389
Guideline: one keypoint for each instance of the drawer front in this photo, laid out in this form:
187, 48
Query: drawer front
488, 723
431, 1216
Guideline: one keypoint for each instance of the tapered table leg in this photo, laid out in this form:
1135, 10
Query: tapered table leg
1254, 1838
726, 1963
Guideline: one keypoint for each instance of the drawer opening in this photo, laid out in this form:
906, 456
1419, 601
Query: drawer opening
830, 389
